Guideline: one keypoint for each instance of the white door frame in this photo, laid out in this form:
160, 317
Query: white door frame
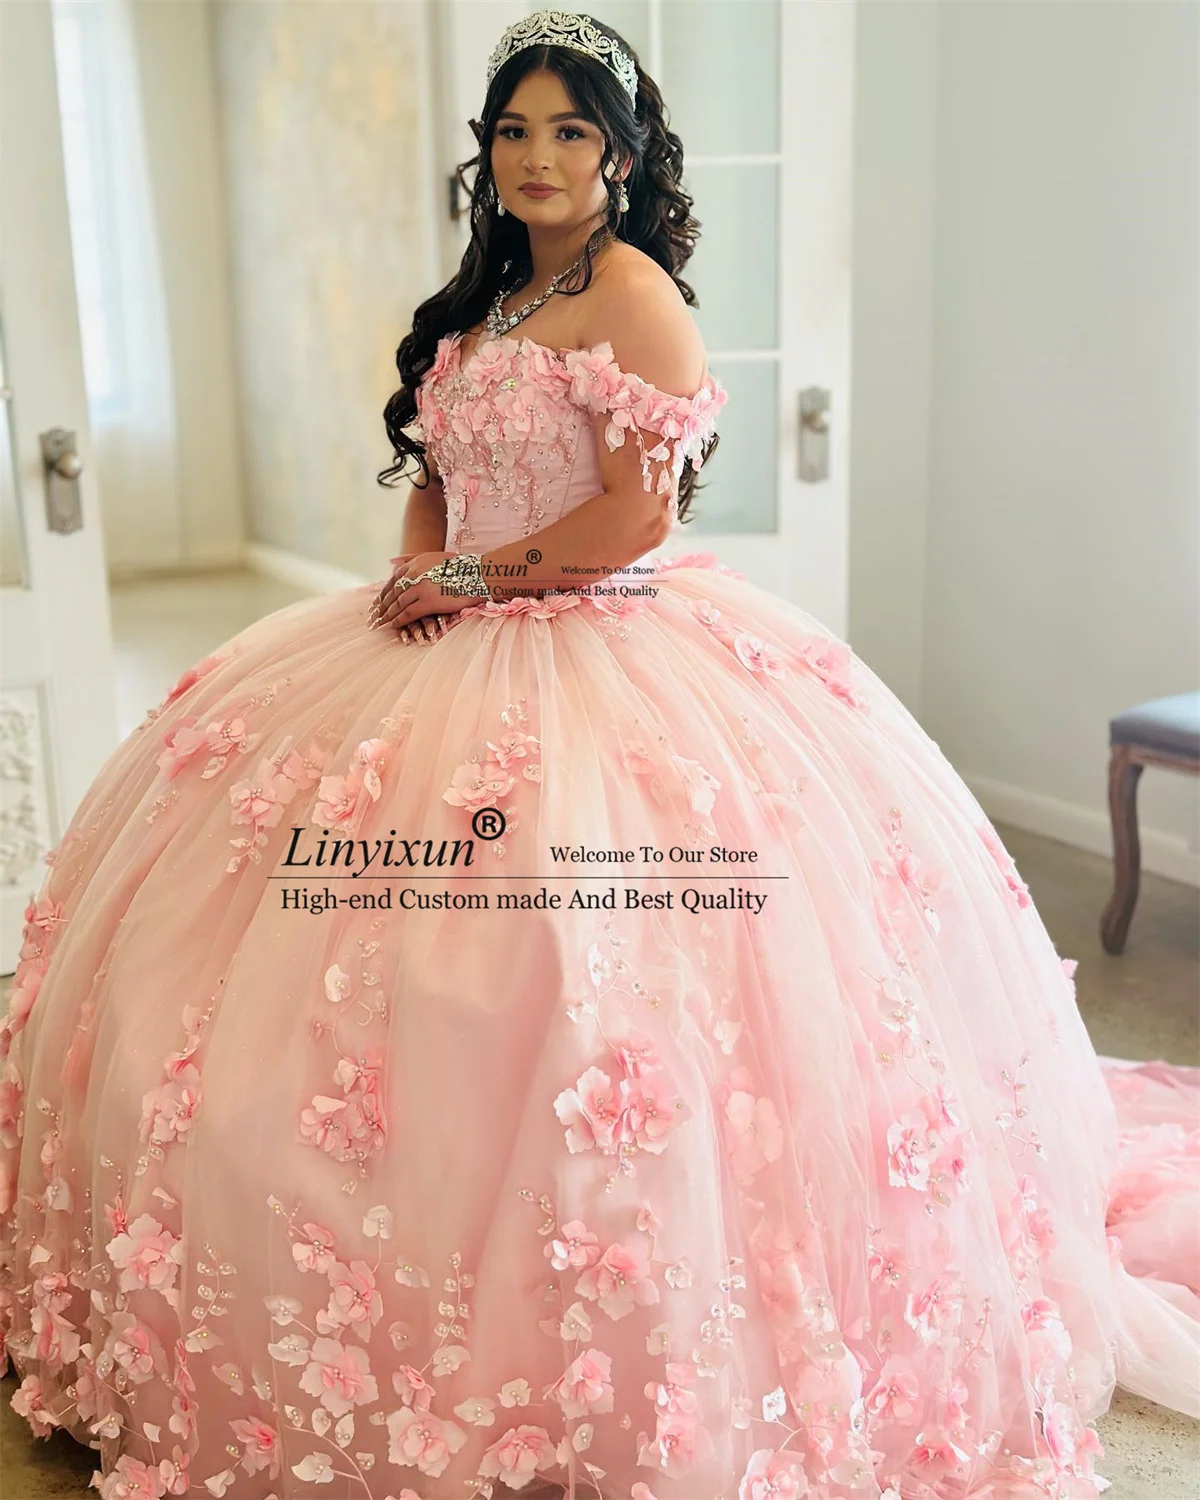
57, 701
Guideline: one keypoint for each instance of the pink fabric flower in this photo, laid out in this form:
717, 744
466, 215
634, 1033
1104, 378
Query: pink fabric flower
896, 1395
754, 1135
339, 1375
591, 1111
217, 741
260, 1445
190, 678
675, 1395
936, 1309
147, 1255
420, 1439
755, 655
575, 1247
649, 1114
315, 1252
773, 1475
29, 1402
168, 1111
478, 785
11, 1111
908, 1151
1044, 1324
516, 1456
412, 1387
679, 1441
260, 801
130, 1479
594, 377
354, 1300
586, 1385
620, 1280
132, 1346
700, 786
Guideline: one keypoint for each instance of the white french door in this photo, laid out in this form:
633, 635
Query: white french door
761, 92
57, 702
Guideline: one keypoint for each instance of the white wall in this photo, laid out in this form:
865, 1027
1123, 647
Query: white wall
183, 148
1061, 522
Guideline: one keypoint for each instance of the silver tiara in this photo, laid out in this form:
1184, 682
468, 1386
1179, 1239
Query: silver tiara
562, 28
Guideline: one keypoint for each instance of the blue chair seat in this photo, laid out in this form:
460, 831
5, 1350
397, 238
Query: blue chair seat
1168, 725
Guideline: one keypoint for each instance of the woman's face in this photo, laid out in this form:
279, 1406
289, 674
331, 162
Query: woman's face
539, 138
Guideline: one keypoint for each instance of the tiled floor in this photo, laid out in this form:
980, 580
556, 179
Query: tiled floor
1142, 1005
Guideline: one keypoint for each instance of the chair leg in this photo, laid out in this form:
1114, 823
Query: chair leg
1123, 774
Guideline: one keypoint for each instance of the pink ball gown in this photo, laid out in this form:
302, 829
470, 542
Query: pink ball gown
771, 1162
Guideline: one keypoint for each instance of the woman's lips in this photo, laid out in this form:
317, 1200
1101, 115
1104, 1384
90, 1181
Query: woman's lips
540, 192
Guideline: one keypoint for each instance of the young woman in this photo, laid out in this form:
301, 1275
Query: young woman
555, 1024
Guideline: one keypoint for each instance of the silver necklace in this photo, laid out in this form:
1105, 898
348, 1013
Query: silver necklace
498, 323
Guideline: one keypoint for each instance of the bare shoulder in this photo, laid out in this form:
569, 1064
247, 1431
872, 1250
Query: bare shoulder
634, 306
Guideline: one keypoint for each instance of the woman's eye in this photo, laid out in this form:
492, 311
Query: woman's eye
508, 131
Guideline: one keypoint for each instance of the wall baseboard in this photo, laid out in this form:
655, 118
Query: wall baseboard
301, 572
1083, 827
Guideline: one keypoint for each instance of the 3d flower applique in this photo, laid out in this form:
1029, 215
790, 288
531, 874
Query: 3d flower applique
755, 655
1004, 863
618, 610
258, 804
216, 741
419, 1439
680, 1441
752, 1128
700, 786
342, 801
620, 1280
594, 377
774, 1474
902, 877
1031, 1233
192, 676
168, 1111
148, 1256
516, 1456
486, 781
585, 1386
339, 1376
935, 1312
352, 1127
637, 1112
831, 661
574, 1247
261, 1447
1048, 1336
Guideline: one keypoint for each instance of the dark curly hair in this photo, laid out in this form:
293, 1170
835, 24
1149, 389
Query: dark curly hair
658, 221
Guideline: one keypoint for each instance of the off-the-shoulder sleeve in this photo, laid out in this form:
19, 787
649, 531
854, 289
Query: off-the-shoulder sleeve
668, 429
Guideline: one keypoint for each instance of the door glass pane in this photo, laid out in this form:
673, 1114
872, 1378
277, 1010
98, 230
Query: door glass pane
739, 493
735, 269
13, 573
720, 75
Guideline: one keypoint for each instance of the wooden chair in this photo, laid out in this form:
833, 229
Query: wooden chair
1162, 732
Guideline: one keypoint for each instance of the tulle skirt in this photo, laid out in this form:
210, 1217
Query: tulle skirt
608, 1051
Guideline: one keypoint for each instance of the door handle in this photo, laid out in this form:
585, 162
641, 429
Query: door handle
61, 467
813, 435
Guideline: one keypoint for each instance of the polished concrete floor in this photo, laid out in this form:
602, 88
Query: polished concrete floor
1144, 1004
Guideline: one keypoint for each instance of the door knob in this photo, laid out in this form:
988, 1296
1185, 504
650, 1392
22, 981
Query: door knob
62, 467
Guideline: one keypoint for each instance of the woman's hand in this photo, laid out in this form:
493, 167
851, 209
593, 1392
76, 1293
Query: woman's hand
418, 612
